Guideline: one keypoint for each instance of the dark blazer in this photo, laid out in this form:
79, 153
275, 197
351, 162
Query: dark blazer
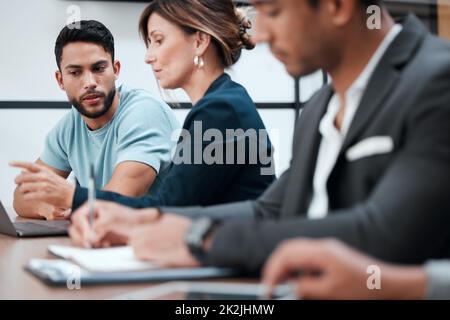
225, 105
395, 204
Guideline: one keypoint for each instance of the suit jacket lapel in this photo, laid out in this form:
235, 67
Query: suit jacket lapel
307, 136
305, 148
385, 77
380, 85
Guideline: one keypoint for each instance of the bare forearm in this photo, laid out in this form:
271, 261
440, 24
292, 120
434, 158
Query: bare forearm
131, 179
403, 282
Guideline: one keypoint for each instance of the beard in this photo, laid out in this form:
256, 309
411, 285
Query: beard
108, 100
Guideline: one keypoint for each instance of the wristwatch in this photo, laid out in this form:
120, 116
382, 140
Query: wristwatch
196, 235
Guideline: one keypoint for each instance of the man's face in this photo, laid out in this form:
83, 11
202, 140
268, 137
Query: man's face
88, 76
296, 32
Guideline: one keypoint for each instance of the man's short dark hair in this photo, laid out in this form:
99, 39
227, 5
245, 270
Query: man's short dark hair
89, 31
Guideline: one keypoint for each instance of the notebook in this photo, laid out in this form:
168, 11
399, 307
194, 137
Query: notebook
111, 265
102, 260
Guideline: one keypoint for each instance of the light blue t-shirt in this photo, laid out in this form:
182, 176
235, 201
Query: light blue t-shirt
140, 131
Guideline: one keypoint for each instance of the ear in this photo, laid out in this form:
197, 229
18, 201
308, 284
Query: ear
201, 42
340, 12
59, 79
116, 67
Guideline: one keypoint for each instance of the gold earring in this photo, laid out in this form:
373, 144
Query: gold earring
199, 62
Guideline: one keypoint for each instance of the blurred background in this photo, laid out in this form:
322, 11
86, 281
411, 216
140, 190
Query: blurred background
31, 102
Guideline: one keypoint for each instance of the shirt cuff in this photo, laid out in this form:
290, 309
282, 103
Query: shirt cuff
79, 197
438, 284
236, 210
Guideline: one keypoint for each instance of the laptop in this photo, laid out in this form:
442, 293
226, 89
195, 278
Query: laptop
37, 228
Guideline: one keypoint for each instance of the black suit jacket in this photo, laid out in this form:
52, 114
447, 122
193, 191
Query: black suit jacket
393, 205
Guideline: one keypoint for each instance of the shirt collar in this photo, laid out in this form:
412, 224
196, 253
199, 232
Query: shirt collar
354, 92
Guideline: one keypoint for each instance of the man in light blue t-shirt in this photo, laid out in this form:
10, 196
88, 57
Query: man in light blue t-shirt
125, 133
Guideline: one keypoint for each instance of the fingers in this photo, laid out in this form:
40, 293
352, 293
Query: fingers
75, 236
32, 167
47, 214
105, 244
34, 191
65, 214
80, 231
36, 196
33, 187
277, 269
102, 231
115, 220
111, 239
103, 223
311, 287
27, 177
291, 256
148, 215
43, 209
59, 214
105, 219
78, 238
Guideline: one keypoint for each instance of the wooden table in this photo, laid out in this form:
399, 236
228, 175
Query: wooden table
16, 283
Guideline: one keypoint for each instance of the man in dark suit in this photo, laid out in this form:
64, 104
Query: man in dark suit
371, 152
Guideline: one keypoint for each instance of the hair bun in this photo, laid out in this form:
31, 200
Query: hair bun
244, 25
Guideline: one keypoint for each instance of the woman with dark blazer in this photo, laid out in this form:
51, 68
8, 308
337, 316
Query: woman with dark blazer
189, 46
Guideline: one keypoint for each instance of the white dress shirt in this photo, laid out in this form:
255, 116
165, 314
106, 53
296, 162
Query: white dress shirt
332, 138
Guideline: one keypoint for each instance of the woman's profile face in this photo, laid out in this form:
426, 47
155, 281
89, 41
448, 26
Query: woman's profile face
170, 52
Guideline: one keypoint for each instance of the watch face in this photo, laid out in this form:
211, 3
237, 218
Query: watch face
194, 240
203, 224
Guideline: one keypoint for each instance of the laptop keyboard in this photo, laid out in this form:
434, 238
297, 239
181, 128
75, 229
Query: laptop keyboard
52, 223
35, 227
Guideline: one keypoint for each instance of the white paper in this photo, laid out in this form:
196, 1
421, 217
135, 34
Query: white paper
117, 259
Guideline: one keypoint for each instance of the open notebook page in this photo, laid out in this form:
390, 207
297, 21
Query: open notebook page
117, 259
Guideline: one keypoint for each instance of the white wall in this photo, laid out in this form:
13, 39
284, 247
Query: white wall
28, 30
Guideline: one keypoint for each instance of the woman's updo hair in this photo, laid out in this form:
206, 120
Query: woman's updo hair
226, 24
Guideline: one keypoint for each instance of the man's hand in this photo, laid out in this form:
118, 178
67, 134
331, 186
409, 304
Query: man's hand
111, 226
162, 242
331, 270
59, 214
49, 212
39, 183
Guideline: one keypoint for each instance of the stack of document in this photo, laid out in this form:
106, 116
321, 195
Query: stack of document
111, 265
